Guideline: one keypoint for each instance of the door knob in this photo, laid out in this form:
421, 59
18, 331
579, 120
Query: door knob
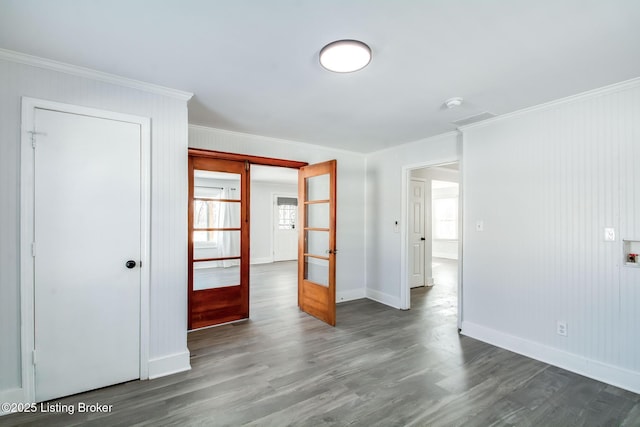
130, 264
422, 238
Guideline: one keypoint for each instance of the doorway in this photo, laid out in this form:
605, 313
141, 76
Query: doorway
212, 302
432, 248
274, 242
274, 214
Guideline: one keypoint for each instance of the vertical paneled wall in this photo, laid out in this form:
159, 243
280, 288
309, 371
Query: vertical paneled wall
546, 183
168, 199
350, 204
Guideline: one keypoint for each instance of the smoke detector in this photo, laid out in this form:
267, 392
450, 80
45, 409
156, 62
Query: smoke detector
453, 102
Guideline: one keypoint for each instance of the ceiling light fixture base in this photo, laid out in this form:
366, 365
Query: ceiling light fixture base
345, 56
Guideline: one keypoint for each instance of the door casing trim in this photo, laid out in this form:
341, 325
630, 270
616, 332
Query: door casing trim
27, 205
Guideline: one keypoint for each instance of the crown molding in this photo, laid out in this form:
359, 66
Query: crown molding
273, 139
605, 90
88, 73
428, 139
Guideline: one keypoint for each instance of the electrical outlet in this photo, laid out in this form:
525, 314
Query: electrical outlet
561, 328
609, 234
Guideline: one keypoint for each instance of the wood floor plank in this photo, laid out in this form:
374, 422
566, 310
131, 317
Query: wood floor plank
378, 367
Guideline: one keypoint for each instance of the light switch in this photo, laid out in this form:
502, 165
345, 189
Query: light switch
479, 225
396, 227
609, 234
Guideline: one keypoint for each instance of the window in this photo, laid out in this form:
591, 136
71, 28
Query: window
445, 218
445, 210
205, 213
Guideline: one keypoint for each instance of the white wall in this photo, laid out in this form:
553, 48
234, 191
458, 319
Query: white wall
571, 170
384, 208
262, 220
168, 205
350, 282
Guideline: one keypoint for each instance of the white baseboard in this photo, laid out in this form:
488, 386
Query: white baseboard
14, 395
349, 295
167, 365
614, 375
383, 298
263, 260
158, 367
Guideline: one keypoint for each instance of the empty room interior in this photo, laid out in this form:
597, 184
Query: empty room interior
360, 212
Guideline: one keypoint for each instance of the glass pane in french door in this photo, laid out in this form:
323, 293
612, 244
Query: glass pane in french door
220, 244
316, 261
317, 188
316, 270
318, 215
213, 274
216, 185
317, 243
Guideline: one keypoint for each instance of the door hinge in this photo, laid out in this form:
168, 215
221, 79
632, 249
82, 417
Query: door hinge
33, 249
33, 134
33, 357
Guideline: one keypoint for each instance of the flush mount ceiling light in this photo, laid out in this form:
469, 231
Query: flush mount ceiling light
345, 56
453, 102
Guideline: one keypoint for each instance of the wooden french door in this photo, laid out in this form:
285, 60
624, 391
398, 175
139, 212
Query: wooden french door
317, 241
218, 241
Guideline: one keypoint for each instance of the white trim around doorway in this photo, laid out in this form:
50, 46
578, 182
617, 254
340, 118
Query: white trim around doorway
405, 294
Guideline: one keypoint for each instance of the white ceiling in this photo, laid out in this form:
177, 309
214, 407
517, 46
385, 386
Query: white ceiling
253, 64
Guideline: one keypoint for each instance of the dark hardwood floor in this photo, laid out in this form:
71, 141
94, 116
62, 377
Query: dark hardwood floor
378, 367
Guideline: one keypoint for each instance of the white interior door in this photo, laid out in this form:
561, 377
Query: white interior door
285, 234
87, 217
417, 232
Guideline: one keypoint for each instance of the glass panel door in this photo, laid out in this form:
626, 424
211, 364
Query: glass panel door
218, 242
317, 247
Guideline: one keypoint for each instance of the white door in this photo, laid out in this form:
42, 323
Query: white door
417, 233
87, 227
285, 234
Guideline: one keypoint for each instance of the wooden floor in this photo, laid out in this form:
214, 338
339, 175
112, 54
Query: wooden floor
378, 367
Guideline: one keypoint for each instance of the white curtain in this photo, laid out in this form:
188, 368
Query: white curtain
228, 242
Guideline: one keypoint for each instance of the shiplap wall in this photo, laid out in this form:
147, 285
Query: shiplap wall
384, 207
546, 182
350, 204
168, 205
